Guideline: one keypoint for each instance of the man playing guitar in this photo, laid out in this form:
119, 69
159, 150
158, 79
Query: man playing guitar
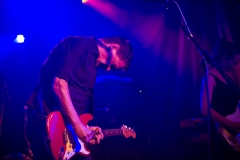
66, 84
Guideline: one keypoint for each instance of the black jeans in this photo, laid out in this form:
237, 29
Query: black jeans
36, 133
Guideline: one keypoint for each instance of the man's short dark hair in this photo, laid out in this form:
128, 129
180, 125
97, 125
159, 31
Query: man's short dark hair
224, 48
125, 52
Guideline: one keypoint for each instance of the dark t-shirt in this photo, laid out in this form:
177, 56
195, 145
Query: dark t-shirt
224, 101
224, 98
74, 60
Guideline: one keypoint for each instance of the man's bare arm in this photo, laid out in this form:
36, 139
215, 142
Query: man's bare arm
60, 88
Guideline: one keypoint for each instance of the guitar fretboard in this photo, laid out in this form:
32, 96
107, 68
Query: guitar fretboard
112, 132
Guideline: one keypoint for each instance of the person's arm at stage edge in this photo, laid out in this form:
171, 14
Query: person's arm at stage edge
204, 105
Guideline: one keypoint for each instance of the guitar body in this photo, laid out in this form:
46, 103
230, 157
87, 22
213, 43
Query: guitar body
63, 141
232, 138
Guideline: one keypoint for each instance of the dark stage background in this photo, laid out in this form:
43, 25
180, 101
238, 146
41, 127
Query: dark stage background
160, 89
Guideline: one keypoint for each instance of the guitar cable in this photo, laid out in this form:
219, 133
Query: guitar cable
44, 134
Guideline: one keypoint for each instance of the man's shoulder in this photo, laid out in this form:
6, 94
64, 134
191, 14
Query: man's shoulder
80, 40
69, 38
77, 38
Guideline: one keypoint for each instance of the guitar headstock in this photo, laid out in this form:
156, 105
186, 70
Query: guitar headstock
128, 132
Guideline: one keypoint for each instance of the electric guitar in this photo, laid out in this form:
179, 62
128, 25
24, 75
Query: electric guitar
64, 143
232, 137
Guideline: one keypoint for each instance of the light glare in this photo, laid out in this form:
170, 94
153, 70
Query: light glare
19, 39
84, 1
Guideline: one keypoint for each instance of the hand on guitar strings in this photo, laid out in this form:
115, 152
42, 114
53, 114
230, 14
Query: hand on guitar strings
88, 134
83, 133
97, 134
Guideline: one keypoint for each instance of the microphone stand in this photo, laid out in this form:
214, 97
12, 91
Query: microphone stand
207, 59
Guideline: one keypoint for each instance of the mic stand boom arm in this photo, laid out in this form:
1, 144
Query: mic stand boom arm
206, 56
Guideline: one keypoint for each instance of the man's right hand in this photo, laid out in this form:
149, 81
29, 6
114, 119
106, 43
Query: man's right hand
84, 133
61, 90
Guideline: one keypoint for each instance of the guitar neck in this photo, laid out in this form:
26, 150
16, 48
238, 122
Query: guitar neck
112, 132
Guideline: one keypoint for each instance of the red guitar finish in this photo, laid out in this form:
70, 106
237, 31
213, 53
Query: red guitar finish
56, 129
63, 141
